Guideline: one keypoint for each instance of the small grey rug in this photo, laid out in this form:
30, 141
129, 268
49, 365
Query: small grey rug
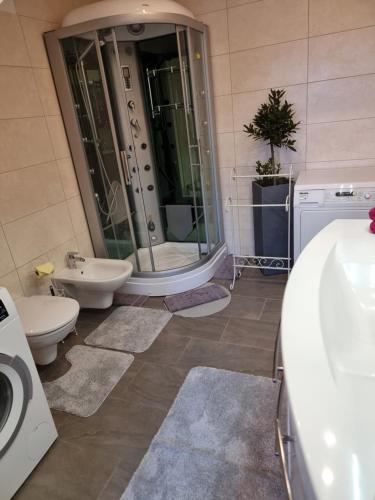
225, 271
130, 328
93, 375
216, 443
196, 297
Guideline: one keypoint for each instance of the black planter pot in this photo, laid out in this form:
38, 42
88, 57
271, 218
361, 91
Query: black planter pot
271, 224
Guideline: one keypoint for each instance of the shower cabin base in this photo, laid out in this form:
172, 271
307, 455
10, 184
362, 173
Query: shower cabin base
176, 282
166, 256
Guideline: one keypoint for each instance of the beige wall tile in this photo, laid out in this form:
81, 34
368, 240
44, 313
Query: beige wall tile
58, 137
47, 92
236, 3
24, 142
8, 6
85, 244
18, 93
328, 16
246, 105
42, 231
203, 6
341, 164
341, 140
343, 54
33, 30
218, 31
6, 261
31, 284
271, 21
68, 177
342, 99
58, 255
223, 114
80, 3
264, 67
12, 44
12, 283
28, 190
48, 10
221, 75
225, 150
77, 215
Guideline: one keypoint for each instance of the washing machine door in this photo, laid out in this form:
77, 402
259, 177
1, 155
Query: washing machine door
16, 390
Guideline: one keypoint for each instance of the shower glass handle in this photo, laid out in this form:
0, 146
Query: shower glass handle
125, 165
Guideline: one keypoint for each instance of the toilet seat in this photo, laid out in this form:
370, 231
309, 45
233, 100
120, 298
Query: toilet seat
43, 314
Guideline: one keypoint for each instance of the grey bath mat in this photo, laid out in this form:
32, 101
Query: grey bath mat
130, 328
216, 443
196, 297
225, 271
93, 375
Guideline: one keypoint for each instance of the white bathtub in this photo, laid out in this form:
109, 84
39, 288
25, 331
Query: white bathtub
328, 348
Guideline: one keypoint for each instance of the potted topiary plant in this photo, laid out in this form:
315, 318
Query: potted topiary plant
273, 123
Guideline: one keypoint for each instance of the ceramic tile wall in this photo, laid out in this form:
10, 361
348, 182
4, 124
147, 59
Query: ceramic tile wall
41, 214
321, 52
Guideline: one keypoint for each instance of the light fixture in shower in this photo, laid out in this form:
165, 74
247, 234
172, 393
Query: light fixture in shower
136, 29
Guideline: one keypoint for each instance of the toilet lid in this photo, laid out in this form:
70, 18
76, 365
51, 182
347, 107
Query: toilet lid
41, 314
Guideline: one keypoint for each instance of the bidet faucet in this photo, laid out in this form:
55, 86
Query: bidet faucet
72, 258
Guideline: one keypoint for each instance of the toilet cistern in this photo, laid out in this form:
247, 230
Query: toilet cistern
72, 258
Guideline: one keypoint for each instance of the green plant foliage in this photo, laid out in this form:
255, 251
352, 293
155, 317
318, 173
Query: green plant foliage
267, 168
274, 123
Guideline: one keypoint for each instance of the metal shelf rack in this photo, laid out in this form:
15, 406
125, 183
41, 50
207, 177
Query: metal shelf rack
234, 205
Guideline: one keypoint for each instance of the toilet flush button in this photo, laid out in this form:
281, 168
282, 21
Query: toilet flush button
367, 196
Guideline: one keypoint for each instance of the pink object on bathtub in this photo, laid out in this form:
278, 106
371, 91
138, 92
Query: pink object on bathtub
372, 226
371, 213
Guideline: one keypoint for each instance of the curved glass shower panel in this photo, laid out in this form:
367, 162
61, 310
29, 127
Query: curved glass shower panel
153, 132
199, 77
88, 92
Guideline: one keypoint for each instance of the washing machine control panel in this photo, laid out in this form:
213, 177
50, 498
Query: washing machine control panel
335, 195
3, 311
349, 195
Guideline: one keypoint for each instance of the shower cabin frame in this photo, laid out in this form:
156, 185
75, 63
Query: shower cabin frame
152, 282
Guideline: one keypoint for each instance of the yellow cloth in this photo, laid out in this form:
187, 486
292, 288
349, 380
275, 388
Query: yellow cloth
44, 269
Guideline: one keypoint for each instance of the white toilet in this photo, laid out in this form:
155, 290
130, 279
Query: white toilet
47, 320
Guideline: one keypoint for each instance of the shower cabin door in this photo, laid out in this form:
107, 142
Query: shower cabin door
90, 93
158, 141
198, 64
194, 56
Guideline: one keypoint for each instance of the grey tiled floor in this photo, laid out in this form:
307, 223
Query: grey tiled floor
95, 457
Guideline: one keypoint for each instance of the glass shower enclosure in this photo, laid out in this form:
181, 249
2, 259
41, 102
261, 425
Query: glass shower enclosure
137, 107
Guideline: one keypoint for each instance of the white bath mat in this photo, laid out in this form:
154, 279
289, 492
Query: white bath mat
93, 375
130, 328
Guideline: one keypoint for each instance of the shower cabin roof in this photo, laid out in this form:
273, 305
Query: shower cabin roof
106, 8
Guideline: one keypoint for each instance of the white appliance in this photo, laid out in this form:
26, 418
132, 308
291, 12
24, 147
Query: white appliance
27, 429
321, 196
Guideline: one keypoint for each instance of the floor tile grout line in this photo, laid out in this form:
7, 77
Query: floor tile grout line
263, 308
225, 327
107, 481
183, 350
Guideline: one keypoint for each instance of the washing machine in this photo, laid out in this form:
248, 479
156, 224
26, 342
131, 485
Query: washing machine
321, 196
27, 429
